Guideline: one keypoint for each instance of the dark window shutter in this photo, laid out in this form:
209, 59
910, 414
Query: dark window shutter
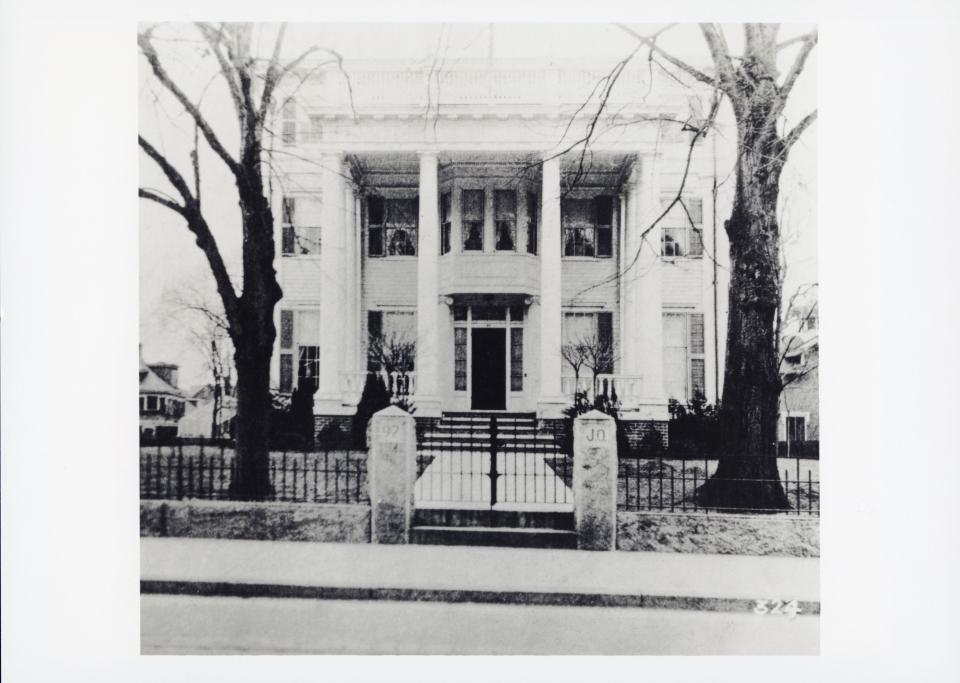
289, 210
696, 333
375, 210
695, 207
286, 329
374, 331
605, 337
286, 372
603, 210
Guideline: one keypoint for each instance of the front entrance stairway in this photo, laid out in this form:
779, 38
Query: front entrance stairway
511, 528
515, 432
529, 504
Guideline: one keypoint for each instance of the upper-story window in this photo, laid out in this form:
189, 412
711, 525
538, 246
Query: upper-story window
445, 222
533, 213
587, 226
288, 130
392, 226
682, 233
505, 219
297, 240
472, 220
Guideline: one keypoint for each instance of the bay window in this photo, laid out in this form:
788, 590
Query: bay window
505, 219
392, 226
472, 220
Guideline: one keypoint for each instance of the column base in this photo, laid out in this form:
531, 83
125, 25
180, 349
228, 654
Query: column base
551, 408
646, 409
427, 406
332, 406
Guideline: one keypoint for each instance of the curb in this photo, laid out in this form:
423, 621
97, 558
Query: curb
266, 590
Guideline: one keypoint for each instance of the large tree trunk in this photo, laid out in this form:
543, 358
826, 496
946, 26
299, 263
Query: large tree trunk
747, 476
254, 334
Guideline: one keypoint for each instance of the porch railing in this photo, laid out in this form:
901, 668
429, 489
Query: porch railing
626, 389
398, 384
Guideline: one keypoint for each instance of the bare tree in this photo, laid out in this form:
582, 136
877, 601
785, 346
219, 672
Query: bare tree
591, 351
251, 85
394, 352
747, 475
206, 326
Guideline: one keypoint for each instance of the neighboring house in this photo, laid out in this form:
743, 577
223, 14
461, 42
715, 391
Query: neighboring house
459, 226
800, 398
161, 401
198, 420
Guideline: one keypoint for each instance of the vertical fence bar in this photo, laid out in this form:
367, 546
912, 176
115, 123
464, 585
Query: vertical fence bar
180, 470
683, 485
336, 480
810, 494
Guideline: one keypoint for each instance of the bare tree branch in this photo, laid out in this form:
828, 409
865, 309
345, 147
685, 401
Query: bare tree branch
146, 47
726, 75
652, 44
198, 226
810, 41
794, 135
163, 201
214, 37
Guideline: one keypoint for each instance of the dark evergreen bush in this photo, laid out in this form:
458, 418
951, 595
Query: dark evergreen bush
374, 398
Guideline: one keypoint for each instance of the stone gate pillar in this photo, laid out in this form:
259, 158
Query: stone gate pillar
392, 470
595, 481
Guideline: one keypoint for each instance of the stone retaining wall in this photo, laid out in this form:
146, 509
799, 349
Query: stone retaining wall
719, 533
256, 521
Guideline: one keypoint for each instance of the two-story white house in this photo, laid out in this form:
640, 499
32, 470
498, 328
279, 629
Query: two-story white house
454, 209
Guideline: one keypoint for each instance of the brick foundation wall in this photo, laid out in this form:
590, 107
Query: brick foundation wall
328, 422
646, 435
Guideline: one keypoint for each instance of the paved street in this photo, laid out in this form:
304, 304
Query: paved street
223, 625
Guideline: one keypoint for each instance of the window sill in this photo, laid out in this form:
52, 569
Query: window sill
586, 258
307, 257
392, 258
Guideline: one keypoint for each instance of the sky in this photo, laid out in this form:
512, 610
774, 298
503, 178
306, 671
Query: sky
171, 262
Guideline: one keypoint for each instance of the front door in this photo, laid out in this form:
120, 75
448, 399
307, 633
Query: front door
489, 369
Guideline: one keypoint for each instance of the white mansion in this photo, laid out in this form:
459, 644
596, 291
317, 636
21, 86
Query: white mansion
454, 209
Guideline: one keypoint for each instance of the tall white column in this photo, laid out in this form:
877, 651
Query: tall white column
427, 395
647, 288
351, 304
333, 287
550, 403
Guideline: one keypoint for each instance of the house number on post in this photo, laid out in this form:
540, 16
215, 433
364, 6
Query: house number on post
390, 433
596, 434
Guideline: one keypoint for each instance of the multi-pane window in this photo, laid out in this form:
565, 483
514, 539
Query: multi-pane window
308, 367
533, 212
796, 428
316, 128
288, 131
683, 355
297, 240
392, 226
516, 359
682, 232
460, 359
587, 339
445, 222
391, 341
587, 226
505, 219
472, 220
300, 337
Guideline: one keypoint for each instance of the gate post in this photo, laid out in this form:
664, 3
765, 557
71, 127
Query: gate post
595, 481
392, 467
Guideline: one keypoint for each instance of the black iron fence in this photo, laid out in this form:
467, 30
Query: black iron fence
492, 460
194, 468
674, 485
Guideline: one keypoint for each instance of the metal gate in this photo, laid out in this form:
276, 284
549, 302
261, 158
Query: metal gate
500, 461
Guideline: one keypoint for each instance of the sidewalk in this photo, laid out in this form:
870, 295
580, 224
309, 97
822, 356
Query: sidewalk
474, 574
